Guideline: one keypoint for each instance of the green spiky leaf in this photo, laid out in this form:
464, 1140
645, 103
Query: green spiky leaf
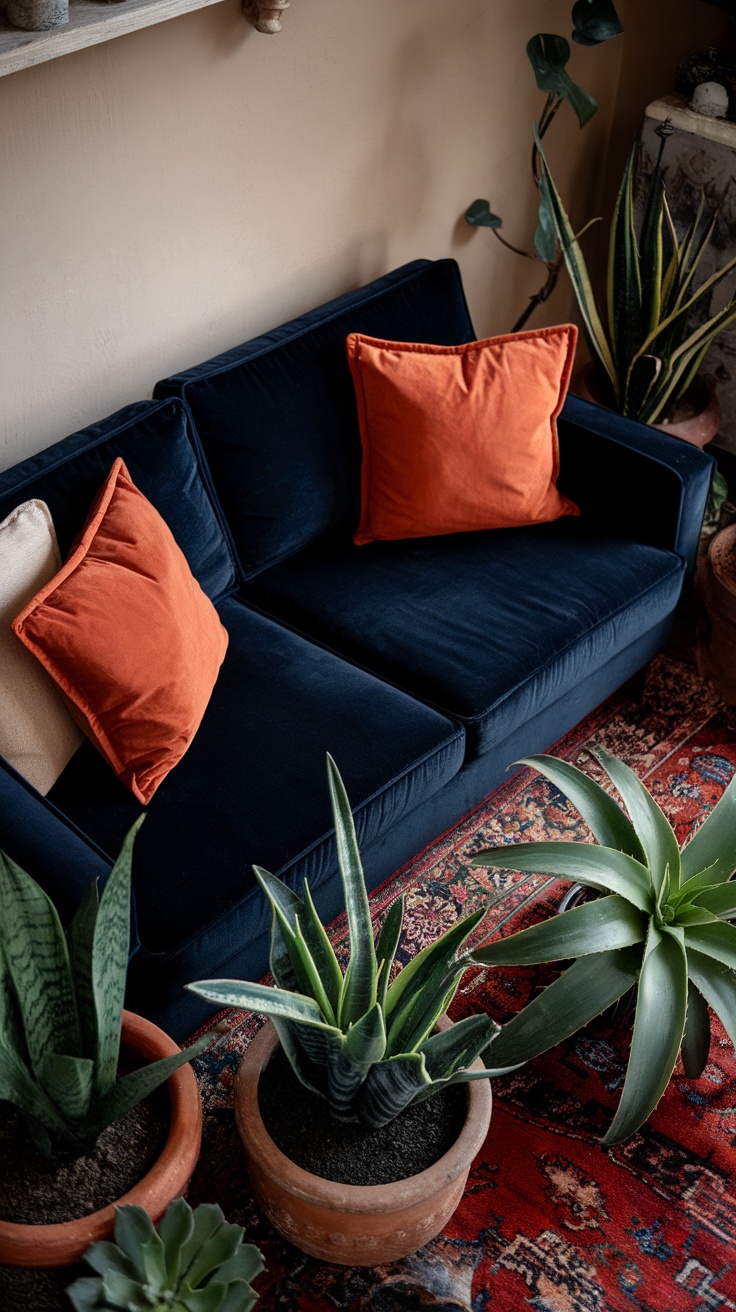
38, 964
597, 926
580, 994
110, 949
601, 813
602, 868
696, 1039
713, 845
359, 985
653, 829
659, 1025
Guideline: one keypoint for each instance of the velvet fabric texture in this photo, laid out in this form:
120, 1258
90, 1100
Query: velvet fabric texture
460, 438
253, 788
277, 416
128, 636
486, 627
633, 481
159, 444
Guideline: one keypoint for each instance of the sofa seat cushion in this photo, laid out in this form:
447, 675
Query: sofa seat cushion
252, 788
488, 627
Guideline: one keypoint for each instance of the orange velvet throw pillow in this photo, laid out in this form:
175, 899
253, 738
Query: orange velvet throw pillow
457, 438
129, 636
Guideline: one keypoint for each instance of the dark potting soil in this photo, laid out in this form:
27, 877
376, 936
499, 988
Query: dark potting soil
37, 1191
40, 1289
300, 1124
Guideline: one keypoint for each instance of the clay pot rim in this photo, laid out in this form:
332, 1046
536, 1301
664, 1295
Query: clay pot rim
64, 1242
698, 430
723, 541
353, 1198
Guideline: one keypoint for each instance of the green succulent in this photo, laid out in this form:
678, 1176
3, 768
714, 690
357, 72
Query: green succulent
194, 1262
362, 1042
659, 329
61, 1005
661, 928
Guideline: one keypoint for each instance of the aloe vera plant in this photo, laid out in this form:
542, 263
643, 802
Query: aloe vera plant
194, 1262
658, 328
360, 1040
662, 928
61, 1004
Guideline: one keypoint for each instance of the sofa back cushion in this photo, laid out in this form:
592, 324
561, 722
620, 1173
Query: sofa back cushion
277, 415
159, 445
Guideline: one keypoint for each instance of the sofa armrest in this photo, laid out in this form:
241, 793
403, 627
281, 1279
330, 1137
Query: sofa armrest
632, 479
35, 834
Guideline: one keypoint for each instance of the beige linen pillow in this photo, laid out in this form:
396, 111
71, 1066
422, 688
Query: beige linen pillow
37, 733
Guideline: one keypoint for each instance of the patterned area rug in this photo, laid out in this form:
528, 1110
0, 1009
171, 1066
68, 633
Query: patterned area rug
551, 1220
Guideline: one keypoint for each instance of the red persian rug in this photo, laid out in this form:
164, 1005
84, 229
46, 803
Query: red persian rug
551, 1219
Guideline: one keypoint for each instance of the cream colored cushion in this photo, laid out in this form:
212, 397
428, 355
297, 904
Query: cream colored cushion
37, 733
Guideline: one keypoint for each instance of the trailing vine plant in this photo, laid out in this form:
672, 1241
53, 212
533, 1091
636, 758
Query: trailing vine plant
594, 21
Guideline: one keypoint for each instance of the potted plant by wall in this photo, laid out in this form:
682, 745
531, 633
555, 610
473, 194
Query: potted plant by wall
661, 928
356, 1076
659, 324
193, 1262
65, 1042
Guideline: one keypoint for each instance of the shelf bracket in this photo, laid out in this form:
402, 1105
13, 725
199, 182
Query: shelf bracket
265, 15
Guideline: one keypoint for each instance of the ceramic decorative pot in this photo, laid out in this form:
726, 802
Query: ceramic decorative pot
66, 1242
699, 428
37, 15
357, 1225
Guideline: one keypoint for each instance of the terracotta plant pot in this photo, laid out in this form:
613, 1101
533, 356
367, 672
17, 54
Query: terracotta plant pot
67, 1241
717, 631
699, 427
356, 1225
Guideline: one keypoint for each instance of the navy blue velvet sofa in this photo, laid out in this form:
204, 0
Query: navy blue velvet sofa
425, 667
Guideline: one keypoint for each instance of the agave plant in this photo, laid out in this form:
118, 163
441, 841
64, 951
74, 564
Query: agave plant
659, 327
661, 928
61, 1004
194, 1262
362, 1041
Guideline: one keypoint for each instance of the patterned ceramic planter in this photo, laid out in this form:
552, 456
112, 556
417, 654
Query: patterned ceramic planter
356, 1225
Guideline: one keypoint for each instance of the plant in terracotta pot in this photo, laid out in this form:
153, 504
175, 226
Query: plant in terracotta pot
64, 1039
659, 325
193, 1262
364, 1054
661, 928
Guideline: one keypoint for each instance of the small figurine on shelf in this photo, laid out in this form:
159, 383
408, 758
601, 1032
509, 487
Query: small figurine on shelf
37, 15
699, 75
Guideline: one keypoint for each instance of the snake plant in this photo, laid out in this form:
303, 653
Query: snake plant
662, 928
658, 327
194, 1262
362, 1041
61, 1004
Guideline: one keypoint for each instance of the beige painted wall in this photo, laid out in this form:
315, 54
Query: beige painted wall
175, 191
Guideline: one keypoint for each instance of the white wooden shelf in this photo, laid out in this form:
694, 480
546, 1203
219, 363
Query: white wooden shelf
89, 24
